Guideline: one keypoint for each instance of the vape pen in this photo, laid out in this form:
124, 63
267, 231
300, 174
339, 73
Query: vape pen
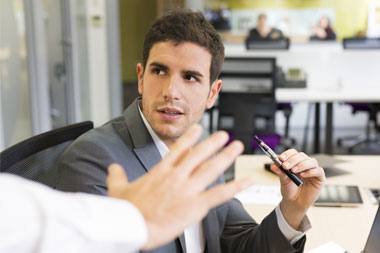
273, 156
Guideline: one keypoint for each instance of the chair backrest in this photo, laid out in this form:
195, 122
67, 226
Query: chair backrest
246, 102
35, 158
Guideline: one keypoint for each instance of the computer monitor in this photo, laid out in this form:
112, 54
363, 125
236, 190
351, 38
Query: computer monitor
267, 44
361, 43
373, 242
253, 75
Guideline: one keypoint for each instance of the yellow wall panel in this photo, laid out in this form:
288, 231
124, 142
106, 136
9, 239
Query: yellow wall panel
135, 20
350, 15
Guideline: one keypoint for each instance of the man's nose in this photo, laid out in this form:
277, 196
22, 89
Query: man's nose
170, 90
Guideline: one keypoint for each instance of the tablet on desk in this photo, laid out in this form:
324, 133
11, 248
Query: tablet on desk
339, 195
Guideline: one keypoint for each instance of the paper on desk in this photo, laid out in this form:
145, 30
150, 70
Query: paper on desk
260, 194
330, 247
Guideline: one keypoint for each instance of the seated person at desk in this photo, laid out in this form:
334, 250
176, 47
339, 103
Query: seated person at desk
264, 31
178, 80
222, 20
323, 30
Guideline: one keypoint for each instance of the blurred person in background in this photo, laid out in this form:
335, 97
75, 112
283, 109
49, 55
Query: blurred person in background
264, 31
323, 30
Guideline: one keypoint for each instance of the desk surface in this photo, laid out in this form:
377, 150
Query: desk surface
349, 226
328, 95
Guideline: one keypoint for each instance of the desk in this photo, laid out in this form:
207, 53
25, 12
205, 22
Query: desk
349, 227
328, 95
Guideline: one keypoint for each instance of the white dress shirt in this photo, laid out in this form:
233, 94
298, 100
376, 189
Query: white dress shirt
194, 237
35, 218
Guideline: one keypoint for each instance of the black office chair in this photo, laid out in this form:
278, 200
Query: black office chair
246, 103
286, 141
35, 158
372, 109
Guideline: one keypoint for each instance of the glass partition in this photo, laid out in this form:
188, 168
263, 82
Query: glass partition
14, 83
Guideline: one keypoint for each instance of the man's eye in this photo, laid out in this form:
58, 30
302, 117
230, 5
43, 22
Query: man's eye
158, 71
191, 78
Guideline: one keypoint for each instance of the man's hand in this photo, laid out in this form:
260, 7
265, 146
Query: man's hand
173, 195
297, 200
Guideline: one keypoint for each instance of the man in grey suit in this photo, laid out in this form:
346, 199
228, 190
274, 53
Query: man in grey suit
178, 80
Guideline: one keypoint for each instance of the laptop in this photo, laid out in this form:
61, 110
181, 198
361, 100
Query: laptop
373, 241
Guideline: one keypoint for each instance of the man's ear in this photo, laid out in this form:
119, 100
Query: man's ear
215, 88
140, 75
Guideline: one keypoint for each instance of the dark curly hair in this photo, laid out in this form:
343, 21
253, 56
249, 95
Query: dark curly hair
186, 26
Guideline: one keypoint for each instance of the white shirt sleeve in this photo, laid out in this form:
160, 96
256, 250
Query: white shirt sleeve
35, 218
290, 233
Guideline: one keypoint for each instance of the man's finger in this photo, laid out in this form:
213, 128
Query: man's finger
212, 169
283, 177
116, 176
294, 160
305, 165
202, 152
315, 172
181, 147
224, 192
288, 153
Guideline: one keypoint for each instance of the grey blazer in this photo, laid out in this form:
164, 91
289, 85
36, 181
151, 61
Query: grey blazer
125, 140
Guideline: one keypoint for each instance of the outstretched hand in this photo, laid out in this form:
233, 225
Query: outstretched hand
173, 195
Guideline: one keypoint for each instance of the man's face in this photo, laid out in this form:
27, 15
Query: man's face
175, 87
324, 22
262, 22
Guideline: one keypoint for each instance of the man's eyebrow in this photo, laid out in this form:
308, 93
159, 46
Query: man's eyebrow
160, 65
192, 73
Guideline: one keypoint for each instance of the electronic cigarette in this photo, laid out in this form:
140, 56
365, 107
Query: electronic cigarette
274, 157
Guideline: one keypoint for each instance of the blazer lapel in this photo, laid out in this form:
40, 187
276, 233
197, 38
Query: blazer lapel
148, 156
210, 227
144, 147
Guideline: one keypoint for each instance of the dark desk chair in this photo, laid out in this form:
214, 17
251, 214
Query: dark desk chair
372, 109
246, 103
286, 141
35, 158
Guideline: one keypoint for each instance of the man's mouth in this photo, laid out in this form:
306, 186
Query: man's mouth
170, 113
